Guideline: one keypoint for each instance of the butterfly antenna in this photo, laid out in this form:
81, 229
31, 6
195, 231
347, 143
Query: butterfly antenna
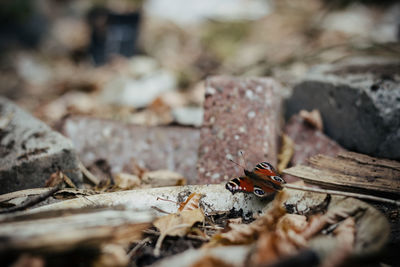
243, 158
231, 160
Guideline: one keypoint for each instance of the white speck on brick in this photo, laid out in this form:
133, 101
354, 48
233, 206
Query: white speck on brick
212, 120
242, 129
251, 114
259, 89
229, 157
249, 94
210, 91
220, 135
106, 132
215, 176
266, 146
202, 170
237, 137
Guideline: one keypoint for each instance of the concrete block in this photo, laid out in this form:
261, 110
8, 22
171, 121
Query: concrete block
30, 151
359, 103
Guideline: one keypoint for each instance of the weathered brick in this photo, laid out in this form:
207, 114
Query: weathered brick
154, 148
359, 103
240, 114
30, 151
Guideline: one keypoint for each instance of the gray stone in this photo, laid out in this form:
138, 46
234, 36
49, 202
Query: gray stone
123, 145
359, 103
30, 151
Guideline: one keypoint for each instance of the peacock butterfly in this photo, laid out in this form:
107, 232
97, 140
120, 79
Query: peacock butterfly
261, 181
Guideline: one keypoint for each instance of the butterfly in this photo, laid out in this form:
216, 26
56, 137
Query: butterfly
261, 181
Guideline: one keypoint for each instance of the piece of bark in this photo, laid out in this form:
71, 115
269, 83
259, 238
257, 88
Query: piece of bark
122, 145
240, 114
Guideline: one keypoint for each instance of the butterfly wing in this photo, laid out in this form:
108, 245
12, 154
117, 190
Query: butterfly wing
240, 184
266, 176
248, 185
265, 169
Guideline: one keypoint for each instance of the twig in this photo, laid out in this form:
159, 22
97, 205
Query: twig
341, 193
92, 178
163, 235
160, 210
30, 202
138, 246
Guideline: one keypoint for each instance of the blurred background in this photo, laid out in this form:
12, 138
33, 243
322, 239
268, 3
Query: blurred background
144, 62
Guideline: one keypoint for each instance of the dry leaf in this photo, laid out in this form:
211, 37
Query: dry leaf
209, 261
313, 118
163, 178
191, 203
178, 224
112, 255
126, 181
247, 233
345, 236
286, 152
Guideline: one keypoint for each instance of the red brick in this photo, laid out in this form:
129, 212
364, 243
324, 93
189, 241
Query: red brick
240, 114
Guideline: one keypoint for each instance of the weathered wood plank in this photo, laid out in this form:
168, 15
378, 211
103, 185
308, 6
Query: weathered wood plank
332, 179
352, 171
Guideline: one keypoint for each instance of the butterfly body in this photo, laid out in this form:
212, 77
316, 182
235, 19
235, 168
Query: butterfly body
261, 181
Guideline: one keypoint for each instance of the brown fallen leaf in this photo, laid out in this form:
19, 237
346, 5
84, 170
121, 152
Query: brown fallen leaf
313, 118
345, 236
191, 203
161, 178
248, 233
178, 224
292, 232
286, 153
126, 181
209, 261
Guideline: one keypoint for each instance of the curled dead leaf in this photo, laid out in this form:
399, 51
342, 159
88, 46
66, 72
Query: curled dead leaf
191, 203
167, 224
313, 118
345, 236
210, 261
126, 181
247, 233
286, 152
161, 178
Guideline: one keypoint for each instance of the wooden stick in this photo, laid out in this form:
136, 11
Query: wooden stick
30, 202
341, 193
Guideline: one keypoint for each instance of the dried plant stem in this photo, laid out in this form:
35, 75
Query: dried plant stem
138, 246
90, 176
341, 193
163, 235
